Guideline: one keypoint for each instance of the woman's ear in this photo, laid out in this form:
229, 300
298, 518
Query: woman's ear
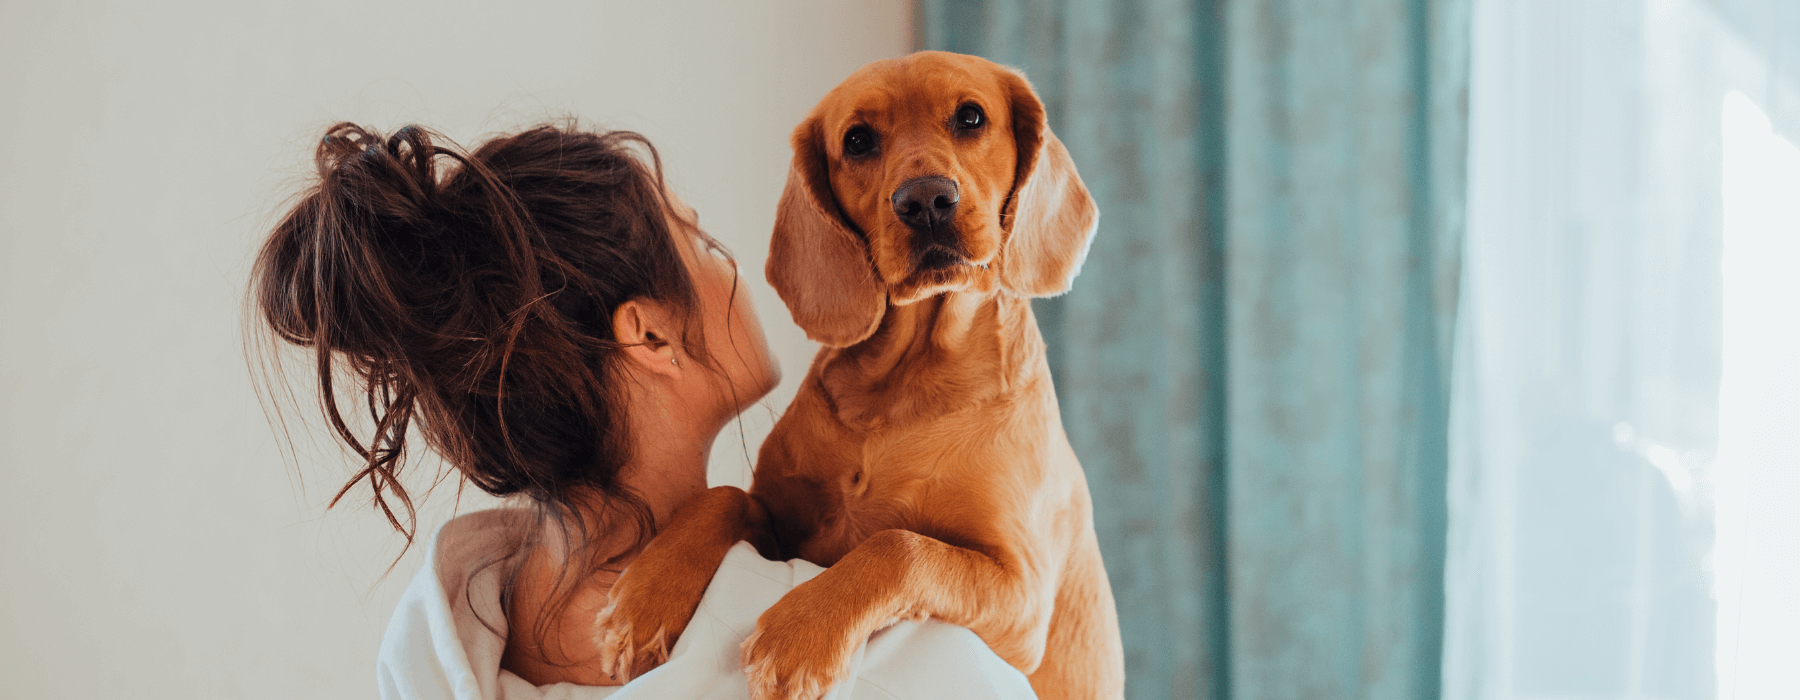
644, 329
817, 264
1049, 217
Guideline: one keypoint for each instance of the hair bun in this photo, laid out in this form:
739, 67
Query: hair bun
394, 179
477, 299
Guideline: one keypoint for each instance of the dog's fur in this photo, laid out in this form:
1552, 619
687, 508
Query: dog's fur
923, 460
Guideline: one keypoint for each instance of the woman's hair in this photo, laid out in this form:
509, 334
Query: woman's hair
475, 305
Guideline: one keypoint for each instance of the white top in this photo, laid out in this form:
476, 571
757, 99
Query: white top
437, 649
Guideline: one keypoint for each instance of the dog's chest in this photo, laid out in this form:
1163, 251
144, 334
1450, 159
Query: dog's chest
935, 477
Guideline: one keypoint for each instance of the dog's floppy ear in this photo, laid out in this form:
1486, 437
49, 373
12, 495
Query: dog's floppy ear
818, 265
1049, 217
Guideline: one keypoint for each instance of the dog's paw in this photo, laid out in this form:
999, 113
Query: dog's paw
648, 608
794, 655
630, 640
646, 611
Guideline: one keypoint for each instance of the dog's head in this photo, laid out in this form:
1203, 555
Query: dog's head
922, 175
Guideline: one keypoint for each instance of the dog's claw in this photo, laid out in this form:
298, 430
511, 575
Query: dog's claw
647, 609
771, 679
625, 651
789, 657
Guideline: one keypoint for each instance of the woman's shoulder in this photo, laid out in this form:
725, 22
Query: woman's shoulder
447, 635
908, 659
478, 538
448, 631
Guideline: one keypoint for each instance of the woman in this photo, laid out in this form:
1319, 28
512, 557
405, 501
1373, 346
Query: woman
556, 326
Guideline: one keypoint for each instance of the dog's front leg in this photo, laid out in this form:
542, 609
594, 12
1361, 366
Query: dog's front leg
803, 644
652, 602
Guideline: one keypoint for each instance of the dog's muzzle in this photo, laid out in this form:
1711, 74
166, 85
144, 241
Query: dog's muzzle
927, 205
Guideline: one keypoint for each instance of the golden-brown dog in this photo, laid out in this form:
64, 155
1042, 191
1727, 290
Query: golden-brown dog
923, 460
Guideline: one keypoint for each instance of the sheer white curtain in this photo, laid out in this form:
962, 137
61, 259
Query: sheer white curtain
1626, 413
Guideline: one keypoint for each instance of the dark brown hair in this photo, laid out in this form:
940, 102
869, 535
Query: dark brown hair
476, 305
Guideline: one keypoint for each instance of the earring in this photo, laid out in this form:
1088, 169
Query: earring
673, 362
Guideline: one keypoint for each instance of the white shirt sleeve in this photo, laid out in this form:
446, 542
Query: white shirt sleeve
437, 647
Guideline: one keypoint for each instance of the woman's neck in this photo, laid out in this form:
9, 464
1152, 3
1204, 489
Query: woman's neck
669, 449
668, 468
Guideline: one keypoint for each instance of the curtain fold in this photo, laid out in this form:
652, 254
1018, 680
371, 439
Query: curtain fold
1599, 510
1253, 365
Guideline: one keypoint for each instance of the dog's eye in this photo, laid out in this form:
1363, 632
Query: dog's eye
859, 141
970, 117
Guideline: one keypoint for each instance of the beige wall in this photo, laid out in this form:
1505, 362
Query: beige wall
153, 543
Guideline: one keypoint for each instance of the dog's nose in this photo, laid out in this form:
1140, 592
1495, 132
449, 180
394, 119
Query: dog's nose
926, 202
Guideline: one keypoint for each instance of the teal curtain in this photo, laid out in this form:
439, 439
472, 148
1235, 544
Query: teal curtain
1253, 365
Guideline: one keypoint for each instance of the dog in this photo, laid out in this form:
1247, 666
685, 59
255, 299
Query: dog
923, 460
